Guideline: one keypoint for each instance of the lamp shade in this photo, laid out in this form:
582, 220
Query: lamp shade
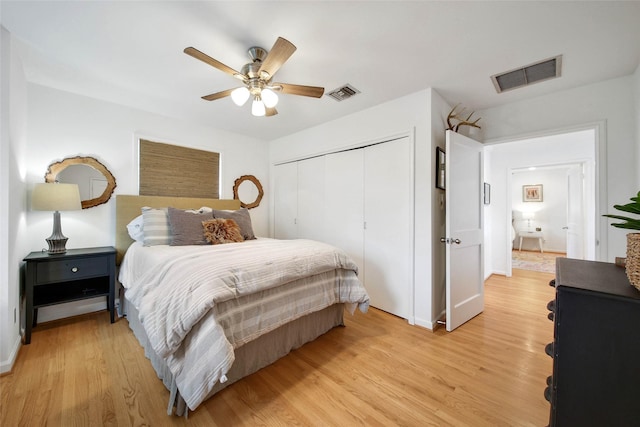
257, 107
56, 197
528, 215
269, 98
240, 96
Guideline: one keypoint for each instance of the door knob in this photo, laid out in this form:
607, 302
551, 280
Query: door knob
447, 240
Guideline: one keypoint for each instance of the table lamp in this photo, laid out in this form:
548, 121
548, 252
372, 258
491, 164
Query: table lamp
56, 197
528, 216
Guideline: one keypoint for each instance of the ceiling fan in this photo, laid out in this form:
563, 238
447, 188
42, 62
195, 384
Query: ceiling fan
257, 78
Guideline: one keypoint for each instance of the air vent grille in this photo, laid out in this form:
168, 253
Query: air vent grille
524, 76
344, 92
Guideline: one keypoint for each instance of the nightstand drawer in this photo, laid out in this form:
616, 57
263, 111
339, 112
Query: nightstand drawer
71, 269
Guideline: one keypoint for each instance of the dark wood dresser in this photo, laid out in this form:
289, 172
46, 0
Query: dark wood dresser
596, 346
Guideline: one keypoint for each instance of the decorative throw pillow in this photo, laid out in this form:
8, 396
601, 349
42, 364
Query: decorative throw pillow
135, 229
155, 226
186, 227
220, 230
241, 217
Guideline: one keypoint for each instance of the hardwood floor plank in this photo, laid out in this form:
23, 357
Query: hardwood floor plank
376, 371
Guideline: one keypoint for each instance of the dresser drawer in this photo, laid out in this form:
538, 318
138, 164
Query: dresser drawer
71, 269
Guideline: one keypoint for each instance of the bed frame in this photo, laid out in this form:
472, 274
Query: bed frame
250, 357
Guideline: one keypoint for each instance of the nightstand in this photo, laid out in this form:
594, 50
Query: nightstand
531, 235
74, 275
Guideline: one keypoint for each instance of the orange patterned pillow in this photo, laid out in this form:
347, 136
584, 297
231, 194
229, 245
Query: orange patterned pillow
219, 230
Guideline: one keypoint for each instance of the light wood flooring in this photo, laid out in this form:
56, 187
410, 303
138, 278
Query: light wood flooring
376, 371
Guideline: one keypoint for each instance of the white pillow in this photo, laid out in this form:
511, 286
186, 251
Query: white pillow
135, 229
204, 209
157, 230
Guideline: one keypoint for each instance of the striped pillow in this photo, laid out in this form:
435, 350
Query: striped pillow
156, 228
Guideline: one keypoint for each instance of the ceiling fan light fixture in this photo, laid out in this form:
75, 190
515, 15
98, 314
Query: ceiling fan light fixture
269, 98
240, 96
257, 107
256, 78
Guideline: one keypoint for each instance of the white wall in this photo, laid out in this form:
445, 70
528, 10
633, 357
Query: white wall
12, 197
610, 102
636, 91
406, 114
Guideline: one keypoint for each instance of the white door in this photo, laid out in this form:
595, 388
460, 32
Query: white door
388, 234
285, 201
344, 204
575, 213
310, 219
464, 234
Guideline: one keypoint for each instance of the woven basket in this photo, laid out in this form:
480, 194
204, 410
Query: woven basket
633, 259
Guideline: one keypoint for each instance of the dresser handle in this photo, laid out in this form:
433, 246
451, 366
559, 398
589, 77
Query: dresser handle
74, 269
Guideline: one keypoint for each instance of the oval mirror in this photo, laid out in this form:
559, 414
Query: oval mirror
94, 180
247, 187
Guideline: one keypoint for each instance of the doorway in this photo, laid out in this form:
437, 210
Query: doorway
553, 223
552, 152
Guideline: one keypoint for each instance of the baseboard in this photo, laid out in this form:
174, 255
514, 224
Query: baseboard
7, 365
424, 323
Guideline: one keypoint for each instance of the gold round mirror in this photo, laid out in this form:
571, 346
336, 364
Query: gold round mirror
95, 182
251, 190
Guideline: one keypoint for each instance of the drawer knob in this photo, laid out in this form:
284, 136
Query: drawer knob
74, 269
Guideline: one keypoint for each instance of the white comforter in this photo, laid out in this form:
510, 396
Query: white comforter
179, 290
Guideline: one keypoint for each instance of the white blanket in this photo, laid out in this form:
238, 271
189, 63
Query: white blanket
174, 296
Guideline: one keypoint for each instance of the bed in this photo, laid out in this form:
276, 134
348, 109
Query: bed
208, 315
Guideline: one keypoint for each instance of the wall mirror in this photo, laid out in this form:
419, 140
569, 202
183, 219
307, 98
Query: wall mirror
248, 190
94, 180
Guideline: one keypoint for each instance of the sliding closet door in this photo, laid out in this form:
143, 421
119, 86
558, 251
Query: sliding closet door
311, 198
285, 201
344, 204
388, 206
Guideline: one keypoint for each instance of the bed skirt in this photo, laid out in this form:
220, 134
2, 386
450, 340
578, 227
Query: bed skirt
251, 356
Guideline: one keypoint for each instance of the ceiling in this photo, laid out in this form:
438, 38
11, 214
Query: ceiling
131, 53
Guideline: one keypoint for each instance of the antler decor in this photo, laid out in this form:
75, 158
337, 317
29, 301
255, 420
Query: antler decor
461, 122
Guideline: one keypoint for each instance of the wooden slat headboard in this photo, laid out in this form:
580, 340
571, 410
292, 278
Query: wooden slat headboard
128, 207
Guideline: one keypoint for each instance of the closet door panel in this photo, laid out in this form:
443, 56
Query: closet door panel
285, 194
344, 204
388, 249
311, 195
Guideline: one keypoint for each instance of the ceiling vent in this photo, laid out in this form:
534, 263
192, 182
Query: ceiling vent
344, 92
524, 76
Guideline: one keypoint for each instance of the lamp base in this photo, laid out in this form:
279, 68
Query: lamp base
57, 245
57, 241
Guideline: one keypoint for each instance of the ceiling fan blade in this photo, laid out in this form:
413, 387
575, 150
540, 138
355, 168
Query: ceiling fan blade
218, 95
313, 91
192, 51
270, 111
281, 51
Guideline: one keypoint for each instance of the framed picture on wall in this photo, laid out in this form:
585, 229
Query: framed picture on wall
532, 193
440, 170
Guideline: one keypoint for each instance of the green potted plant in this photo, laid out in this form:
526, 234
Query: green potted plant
633, 239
